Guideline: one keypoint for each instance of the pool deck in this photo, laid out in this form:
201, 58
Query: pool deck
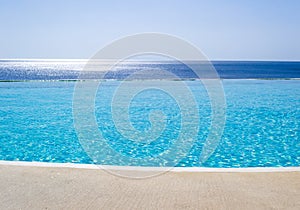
32, 187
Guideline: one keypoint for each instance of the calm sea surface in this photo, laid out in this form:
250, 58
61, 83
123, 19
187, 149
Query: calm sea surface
261, 129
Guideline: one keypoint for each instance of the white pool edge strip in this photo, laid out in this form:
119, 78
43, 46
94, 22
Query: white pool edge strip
137, 168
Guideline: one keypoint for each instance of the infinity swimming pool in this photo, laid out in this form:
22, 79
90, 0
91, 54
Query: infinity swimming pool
261, 130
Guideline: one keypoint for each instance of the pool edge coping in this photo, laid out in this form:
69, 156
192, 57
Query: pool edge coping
142, 168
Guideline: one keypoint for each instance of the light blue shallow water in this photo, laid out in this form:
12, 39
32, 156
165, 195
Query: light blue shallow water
262, 124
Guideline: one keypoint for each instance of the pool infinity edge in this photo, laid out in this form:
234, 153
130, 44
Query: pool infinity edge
142, 168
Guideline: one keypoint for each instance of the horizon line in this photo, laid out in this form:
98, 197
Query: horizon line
143, 60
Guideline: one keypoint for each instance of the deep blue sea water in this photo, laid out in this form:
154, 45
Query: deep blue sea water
262, 115
58, 70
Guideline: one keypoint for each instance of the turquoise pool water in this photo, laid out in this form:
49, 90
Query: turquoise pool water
262, 124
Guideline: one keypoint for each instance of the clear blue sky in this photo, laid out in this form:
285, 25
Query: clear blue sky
257, 29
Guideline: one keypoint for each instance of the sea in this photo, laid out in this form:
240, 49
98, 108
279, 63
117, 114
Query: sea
261, 114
